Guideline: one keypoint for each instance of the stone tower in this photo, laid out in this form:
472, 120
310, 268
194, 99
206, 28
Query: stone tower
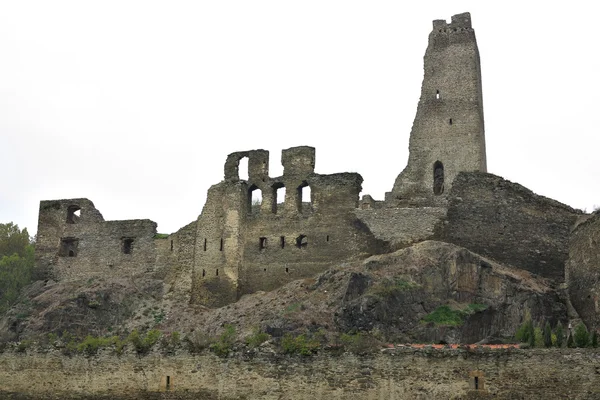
448, 131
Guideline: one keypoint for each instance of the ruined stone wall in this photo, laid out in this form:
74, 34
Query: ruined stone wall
299, 241
402, 227
509, 223
80, 246
583, 271
396, 374
448, 131
243, 247
176, 259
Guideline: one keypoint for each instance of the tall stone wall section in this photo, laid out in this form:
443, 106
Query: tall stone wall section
398, 374
509, 223
243, 247
75, 242
583, 271
448, 131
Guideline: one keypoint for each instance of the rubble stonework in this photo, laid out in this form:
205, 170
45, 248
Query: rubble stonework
236, 246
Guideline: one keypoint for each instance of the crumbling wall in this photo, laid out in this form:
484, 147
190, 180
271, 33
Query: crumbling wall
75, 246
402, 227
243, 247
448, 131
509, 223
583, 271
175, 259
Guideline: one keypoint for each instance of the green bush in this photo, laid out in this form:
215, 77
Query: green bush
581, 336
143, 344
304, 344
570, 342
594, 340
560, 336
224, 343
24, 345
257, 338
539, 337
445, 316
161, 236
526, 333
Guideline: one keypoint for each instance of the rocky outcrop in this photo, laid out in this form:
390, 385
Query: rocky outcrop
431, 278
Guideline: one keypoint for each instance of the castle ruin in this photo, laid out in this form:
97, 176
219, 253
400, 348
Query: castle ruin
236, 247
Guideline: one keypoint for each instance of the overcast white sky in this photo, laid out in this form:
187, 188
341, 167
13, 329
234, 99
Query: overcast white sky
136, 104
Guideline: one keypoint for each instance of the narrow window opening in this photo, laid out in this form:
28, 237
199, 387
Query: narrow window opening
217, 272
203, 273
68, 247
221, 245
254, 199
304, 196
450, 121
243, 169
204, 244
437, 94
127, 245
282, 241
301, 242
171, 245
264, 269
476, 383
262, 243
327, 239
168, 386
438, 178
287, 270
278, 197
73, 214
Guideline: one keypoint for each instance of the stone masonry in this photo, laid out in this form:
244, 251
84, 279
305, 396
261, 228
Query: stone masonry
238, 246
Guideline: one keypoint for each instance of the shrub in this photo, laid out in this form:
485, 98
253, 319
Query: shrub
526, 332
143, 344
559, 335
224, 343
257, 338
24, 345
581, 336
594, 341
444, 315
302, 344
547, 335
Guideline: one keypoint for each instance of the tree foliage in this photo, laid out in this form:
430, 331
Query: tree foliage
581, 336
560, 336
547, 335
16, 263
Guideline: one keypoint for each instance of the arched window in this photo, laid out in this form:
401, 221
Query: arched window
301, 242
438, 178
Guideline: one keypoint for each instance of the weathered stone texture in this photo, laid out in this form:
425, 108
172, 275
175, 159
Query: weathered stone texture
448, 130
509, 223
86, 245
396, 374
402, 226
243, 247
583, 271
